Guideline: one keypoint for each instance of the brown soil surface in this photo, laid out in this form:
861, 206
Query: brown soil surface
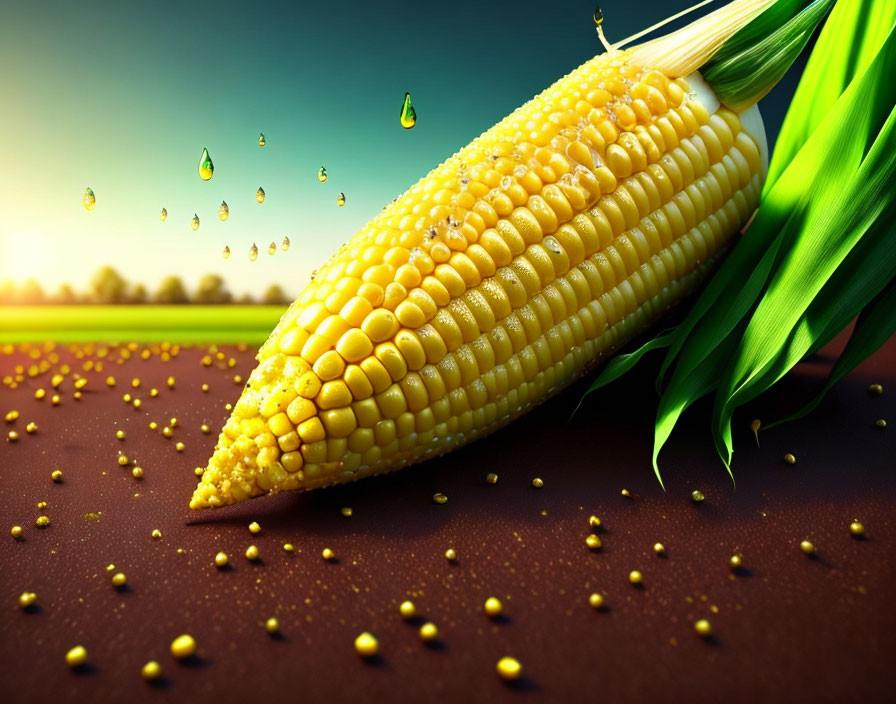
787, 627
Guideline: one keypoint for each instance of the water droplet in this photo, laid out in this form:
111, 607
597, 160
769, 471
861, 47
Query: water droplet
272, 248
89, 199
163, 216
598, 15
223, 211
226, 252
206, 167
194, 223
340, 199
259, 195
506, 182
285, 244
322, 174
408, 115
253, 252
261, 140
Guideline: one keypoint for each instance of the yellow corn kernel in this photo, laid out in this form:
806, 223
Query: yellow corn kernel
311, 430
354, 345
301, 409
334, 394
329, 365
339, 422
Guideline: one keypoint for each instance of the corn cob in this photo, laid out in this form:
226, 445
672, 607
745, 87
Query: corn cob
512, 268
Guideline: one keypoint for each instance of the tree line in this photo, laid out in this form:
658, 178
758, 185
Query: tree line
108, 286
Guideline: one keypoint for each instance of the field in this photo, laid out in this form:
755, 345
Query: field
147, 323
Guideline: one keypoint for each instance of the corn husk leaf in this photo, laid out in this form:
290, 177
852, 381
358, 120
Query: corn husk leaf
820, 248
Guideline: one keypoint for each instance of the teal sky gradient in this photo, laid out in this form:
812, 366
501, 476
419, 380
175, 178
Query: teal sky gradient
123, 96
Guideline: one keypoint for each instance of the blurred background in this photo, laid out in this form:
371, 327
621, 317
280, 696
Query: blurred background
122, 98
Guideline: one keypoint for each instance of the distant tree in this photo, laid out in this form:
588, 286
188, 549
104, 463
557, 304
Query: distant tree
31, 292
274, 296
246, 299
65, 295
139, 295
171, 290
108, 286
8, 292
211, 290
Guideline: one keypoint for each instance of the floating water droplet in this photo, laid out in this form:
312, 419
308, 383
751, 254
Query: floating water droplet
223, 211
206, 167
194, 223
340, 199
285, 244
322, 174
261, 140
253, 252
226, 252
259, 195
272, 248
89, 199
598, 15
408, 115
163, 216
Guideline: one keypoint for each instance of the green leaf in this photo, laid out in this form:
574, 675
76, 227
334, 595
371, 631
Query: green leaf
873, 328
756, 57
618, 366
848, 42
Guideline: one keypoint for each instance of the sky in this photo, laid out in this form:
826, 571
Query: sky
123, 96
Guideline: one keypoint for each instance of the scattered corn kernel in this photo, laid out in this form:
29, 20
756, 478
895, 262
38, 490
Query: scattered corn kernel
346, 511
42, 521
221, 559
167, 432
110, 381
703, 628
156, 534
807, 547
32, 427
594, 522
697, 496
593, 542
123, 460
76, 657
429, 632
56, 475
288, 547
179, 447
127, 398
626, 493
252, 552
12, 416
16, 532
537, 482
183, 646
491, 478
119, 579
27, 599
880, 423
659, 548
272, 625
254, 527
205, 429
875, 389
635, 577
451, 554
56, 399
151, 671
493, 606
736, 561
407, 609
509, 668
12, 436
856, 528
439, 498
328, 554
137, 472
119, 434
789, 458
170, 382
596, 601
366, 645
